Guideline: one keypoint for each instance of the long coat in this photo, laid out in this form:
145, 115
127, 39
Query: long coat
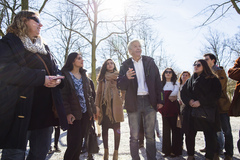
17, 83
117, 109
207, 91
234, 73
70, 99
153, 81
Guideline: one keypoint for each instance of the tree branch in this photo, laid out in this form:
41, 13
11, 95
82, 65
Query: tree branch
43, 5
235, 6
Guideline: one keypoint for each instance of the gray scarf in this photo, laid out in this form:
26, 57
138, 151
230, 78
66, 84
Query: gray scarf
37, 47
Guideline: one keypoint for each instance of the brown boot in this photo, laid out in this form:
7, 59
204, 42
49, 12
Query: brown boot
227, 157
190, 158
105, 156
115, 155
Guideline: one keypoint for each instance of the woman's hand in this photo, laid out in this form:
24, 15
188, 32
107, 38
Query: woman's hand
51, 81
180, 102
196, 104
172, 98
191, 102
70, 118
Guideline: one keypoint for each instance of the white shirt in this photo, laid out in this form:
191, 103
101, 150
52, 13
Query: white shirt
142, 85
170, 87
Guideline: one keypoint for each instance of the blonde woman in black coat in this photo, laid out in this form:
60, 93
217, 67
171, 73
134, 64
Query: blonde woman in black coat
200, 94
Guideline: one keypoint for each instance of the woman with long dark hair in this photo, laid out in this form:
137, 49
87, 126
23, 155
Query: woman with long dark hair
171, 146
109, 102
77, 92
200, 94
30, 98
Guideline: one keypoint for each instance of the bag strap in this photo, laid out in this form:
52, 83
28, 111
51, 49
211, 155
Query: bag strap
43, 64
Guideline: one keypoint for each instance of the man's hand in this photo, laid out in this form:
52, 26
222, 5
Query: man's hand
130, 73
70, 118
196, 104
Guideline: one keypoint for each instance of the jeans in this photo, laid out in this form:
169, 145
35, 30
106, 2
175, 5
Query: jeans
148, 114
226, 127
13, 154
39, 141
220, 140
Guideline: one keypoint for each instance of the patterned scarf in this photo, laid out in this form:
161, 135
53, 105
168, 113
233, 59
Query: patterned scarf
37, 47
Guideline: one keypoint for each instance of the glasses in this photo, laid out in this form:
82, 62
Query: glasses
34, 18
197, 65
168, 72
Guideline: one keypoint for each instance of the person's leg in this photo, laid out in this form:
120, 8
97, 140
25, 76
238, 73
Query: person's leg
73, 140
166, 137
105, 136
211, 140
176, 137
13, 154
134, 125
157, 127
220, 141
39, 142
227, 130
141, 134
190, 142
56, 137
117, 135
84, 123
149, 119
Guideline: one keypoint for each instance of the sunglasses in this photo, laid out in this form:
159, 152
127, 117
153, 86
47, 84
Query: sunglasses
168, 72
197, 65
34, 18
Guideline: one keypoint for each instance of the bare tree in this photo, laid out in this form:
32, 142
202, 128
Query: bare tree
218, 11
217, 44
234, 44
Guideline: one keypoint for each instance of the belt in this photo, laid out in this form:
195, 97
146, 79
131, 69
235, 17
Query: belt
142, 96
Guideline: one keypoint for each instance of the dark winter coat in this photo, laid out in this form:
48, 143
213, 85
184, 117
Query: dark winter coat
17, 86
153, 80
207, 91
70, 99
234, 73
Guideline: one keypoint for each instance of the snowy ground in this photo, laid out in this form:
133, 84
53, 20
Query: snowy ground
124, 151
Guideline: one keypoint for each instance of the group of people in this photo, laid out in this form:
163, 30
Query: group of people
36, 95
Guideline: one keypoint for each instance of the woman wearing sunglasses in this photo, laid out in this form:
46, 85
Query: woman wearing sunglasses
200, 94
30, 98
171, 146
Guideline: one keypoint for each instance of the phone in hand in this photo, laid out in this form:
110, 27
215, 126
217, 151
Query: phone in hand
58, 77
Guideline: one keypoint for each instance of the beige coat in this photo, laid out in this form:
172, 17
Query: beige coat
117, 108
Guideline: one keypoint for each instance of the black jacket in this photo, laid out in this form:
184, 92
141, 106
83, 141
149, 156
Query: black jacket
153, 81
207, 91
70, 99
17, 86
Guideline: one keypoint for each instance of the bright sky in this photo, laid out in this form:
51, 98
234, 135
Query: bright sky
177, 27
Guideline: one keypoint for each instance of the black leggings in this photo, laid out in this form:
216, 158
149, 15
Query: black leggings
117, 133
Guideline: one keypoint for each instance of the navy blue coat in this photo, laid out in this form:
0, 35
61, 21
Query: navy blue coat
17, 83
153, 81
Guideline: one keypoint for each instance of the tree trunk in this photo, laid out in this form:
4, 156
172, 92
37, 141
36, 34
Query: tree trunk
24, 4
94, 46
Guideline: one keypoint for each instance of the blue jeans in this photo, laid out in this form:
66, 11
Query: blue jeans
220, 140
148, 114
39, 140
226, 127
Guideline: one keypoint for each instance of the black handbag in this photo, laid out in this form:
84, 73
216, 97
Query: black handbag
205, 113
91, 139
